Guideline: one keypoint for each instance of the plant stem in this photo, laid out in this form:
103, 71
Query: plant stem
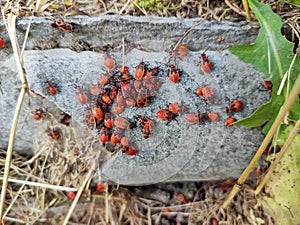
246, 7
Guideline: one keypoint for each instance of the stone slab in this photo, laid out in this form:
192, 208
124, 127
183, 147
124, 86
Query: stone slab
175, 151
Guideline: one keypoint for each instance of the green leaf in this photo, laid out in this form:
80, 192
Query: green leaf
272, 55
284, 186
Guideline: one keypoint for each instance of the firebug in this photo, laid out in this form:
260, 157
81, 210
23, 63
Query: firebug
109, 61
229, 120
124, 141
146, 124
38, 114
94, 89
104, 79
235, 106
106, 99
54, 134
176, 108
180, 197
108, 121
194, 118
142, 98
227, 184
71, 195
113, 92
258, 171
213, 116
130, 150
151, 72
117, 109
207, 93
165, 114
80, 95
96, 110
121, 123
89, 119
103, 135
126, 89
51, 88
268, 84
100, 187
116, 136
174, 74
62, 25
266, 150
206, 65
139, 71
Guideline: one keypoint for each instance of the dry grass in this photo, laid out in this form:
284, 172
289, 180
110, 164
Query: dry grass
216, 10
38, 204
61, 166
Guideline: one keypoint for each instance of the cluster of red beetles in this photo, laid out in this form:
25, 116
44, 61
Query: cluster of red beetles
117, 89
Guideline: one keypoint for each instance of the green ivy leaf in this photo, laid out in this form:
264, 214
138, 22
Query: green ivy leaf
272, 55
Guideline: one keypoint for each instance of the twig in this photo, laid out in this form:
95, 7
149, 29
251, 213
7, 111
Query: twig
284, 109
186, 33
235, 8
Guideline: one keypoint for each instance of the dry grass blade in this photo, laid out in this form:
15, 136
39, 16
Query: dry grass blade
11, 20
42, 185
13, 201
236, 9
246, 7
85, 182
280, 117
124, 7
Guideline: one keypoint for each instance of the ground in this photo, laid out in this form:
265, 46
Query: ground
165, 203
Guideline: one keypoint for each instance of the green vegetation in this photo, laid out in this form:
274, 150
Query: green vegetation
271, 54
